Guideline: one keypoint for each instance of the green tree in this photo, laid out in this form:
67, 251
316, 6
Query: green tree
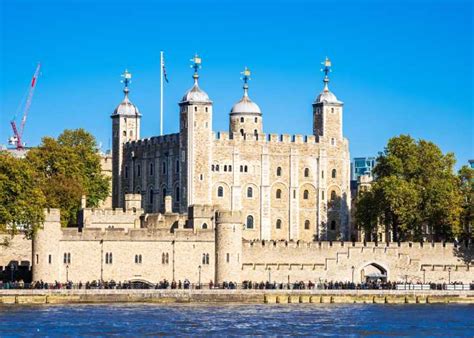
21, 200
68, 168
415, 192
466, 182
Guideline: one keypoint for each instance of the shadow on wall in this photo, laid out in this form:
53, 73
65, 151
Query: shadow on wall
337, 213
465, 252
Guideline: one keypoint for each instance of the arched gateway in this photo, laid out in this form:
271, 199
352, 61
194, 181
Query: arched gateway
373, 272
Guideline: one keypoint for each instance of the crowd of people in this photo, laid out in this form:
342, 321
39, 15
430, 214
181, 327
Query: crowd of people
246, 285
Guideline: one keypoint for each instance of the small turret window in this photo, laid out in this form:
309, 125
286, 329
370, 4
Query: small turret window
220, 192
124, 133
256, 120
249, 222
245, 168
195, 108
242, 119
151, 169
177, 166
204, 226
279, 171
126, 172
333, 141
278, 194
306, 225
207, 109
150, 197
139, 170
306, 194
306, 172
333, 173
242, 132
249, 192
177, 194
278, 224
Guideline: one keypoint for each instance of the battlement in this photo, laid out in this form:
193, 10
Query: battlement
200, 211
267, 138
52, 215
429, 246
112, 212
164, 139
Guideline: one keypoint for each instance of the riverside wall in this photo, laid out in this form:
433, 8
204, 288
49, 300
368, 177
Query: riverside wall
28, 297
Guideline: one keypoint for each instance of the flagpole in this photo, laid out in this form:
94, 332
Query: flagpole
161, 93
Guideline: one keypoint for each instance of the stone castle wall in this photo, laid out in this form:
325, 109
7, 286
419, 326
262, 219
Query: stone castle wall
220, 254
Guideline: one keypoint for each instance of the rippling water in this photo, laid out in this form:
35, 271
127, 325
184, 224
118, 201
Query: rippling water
296, 319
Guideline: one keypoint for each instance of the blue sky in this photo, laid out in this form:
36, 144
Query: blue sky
399, 66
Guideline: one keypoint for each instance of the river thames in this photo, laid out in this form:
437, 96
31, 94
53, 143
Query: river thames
237, 320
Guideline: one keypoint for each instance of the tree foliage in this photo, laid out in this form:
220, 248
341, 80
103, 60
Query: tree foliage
66, 169
415, 193
21, 199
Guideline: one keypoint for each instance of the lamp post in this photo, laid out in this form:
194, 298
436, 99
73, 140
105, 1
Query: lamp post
352, 268
199, 282
424, 272
269, 275
67, 273
449, 275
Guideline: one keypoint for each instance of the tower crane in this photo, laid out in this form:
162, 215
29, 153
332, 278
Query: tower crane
16, 140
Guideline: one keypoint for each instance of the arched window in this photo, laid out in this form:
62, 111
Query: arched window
220, 192
249, 192
245, 168
306, 225
279, 171
306, 172
151, 169
242, 120
256, 120
333, 141
167, 258
207, 258
332, 110
139, 170
207, 109
333, 195
278, 194
322, 173
212, 167
255, 132
177, 166
278, 224
217, 167
230, 168
150, 196
333, 225
195, 108
203, 258
177, 194
126, 172
242, 132
306, 194
204, 226
333, 173
249, 222
164, 194
164, 167
124, 133
163, 258
225, 168
322, 195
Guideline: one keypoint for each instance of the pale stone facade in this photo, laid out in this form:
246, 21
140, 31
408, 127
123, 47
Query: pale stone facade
290, 187
153, 247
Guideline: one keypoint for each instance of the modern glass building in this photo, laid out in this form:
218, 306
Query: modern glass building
362, 166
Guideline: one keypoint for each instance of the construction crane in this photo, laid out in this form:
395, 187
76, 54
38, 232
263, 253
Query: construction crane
17, 138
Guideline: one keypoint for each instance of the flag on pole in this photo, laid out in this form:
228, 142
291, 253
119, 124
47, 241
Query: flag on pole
164, 71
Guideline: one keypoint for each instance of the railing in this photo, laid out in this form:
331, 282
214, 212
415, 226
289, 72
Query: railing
246, 285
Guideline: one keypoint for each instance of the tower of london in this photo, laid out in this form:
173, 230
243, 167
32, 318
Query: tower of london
290, 187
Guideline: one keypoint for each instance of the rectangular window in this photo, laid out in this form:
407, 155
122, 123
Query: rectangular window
49, 259
37, 259
228, 257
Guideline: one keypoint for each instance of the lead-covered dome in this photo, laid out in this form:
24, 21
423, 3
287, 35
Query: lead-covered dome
326, 96
126, 107
195, 94
246, 106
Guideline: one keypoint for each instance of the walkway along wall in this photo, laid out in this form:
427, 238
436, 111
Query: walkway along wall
218, 255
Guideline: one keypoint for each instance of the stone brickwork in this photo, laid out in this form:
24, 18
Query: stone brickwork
287, 187
168, 246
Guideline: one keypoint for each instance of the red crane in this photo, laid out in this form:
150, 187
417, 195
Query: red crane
16, 139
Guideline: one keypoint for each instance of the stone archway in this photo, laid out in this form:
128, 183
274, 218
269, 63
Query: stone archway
373, 272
